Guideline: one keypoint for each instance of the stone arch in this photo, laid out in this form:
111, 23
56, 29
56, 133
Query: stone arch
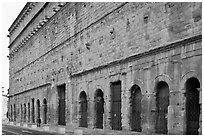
44, 111
186, 76
82, 89
162, 103
21, 113
38, 108
137, 82
14, 109
83, 109
135, 108
28, 111
164, 78
33, 110
24, 112
99, 108
192, 105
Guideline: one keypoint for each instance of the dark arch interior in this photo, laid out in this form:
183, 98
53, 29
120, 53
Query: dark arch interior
82, 96
99, 108
162, 103
192, 106
28, 111
160, 85
38, 108
44, 101
14, 107
83, 109
24, 112
135, 105
134, 89
192, 83
99, 93
44, 111
38, 103
33, 110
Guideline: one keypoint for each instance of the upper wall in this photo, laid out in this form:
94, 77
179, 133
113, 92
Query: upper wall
82, 36
23, 19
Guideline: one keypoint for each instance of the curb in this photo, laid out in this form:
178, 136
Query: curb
61, 130
46, 128
25, 125
78, 132
34, 126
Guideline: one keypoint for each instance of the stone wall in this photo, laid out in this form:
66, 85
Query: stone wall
88, 45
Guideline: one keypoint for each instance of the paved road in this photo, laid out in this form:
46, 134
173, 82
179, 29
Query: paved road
14, 130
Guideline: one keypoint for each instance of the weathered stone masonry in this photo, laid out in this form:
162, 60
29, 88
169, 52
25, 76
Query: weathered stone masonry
69, 60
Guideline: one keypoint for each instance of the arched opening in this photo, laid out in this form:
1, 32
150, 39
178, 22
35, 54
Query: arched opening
21, 113
14, 107
99, 108
162, 103
61, 105
45, 111
11, 117
38, 109
192, 106
28, 112
33, 111
24, 112
83, 109
135, 108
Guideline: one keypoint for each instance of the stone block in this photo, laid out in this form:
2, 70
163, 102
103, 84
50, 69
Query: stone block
46, 128
175, 120
61, 130
78, 132
18, 124
34, 126
25, 125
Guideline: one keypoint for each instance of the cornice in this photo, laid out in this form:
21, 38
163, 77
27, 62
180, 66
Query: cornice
35, 29
24, 12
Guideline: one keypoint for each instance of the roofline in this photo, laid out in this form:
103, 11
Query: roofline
45, 4
27, 4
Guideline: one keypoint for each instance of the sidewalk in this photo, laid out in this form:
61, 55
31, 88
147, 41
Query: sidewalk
71, 130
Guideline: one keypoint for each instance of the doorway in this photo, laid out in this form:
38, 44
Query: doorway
24, 112
83, 109
38, 109
192, 106
61, 105
14, 112
116, 105
45, 111
33, 111
29, 112
162, 103
99, 107
135, 106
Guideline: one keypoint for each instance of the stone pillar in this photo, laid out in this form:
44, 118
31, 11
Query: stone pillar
107, 107
69, 100
125, 102
91, 113
148, 103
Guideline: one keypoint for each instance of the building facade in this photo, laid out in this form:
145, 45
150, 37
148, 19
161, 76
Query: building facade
121, 66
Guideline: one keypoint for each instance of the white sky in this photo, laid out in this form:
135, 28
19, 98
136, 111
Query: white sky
9, 12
